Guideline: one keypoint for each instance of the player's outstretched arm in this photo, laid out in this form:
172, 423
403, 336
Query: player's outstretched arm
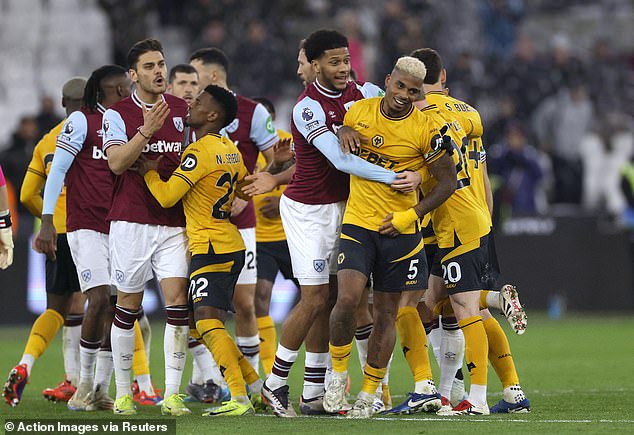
328, 144
169, 192
30, 193
264, 182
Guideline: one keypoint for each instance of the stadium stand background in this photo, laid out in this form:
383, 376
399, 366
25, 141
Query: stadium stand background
552, 79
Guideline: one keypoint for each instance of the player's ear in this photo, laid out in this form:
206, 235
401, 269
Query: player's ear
443, 76
213, 116
387, 81
315, 65
133, 75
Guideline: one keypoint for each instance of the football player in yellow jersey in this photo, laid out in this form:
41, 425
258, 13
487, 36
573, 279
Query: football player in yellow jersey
380, 233
507, 299
63, 298
210, 171
271, 252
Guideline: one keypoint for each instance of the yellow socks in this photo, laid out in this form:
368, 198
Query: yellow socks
268, 342
414, 342
483, 299
42, 333
340, 356
226, 354
500, 353
139, 360
372, 377
476, 348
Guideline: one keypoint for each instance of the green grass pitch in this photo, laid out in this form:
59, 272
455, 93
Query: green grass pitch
577, 373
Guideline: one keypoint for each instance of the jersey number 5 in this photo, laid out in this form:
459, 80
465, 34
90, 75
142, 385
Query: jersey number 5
224, 179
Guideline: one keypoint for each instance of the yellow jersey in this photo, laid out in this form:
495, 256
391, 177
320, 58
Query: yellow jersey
269, 230
209, 174
406, 143
471, 146
463, 217
35, 178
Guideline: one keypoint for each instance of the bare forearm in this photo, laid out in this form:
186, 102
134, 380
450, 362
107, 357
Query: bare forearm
4, 198
285, 176
121, 157
439, 194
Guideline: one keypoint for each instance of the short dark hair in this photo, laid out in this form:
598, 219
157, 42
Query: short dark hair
432, 61
211, 55
143, 47
268, 104
181, 68
321, 40
93, 93
227, 100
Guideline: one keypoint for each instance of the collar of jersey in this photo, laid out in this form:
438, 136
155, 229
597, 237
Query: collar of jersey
140, 103
326, 92
436, 93
391, 118
100, 108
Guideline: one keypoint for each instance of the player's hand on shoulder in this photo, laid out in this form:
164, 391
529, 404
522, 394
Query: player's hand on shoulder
407, 181
271, 207
350, 139
262, 182
154, 118
45, 242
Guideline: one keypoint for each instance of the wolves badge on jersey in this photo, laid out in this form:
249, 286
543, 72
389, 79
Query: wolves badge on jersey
178, 123
378, 140
319, 265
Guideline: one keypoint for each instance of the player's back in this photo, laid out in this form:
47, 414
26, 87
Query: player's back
471, 145
398, 144
212, 166
89, 179
462, 215
41, 165
132, 201
317, 111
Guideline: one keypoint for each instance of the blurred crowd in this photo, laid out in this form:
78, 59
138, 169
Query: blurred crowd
557, 112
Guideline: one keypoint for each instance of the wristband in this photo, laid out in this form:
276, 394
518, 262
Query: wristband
5, 219
401, 220
141, 133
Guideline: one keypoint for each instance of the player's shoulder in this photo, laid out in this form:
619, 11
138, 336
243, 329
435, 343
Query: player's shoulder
175, 102
365, 89
124, 105
48, 141
246, 103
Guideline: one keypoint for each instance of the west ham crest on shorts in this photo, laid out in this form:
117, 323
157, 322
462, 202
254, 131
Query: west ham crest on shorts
118, 274
319, 265
178, 123
86, 275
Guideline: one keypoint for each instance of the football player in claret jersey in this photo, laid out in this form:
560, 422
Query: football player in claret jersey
62, 286
380, 235
80, 163
253, 132
210, 171
311, 209
146, 239
506, 300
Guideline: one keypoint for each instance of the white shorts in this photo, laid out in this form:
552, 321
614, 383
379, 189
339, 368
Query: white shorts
91, 256
249, 273
312, 232
137, 250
